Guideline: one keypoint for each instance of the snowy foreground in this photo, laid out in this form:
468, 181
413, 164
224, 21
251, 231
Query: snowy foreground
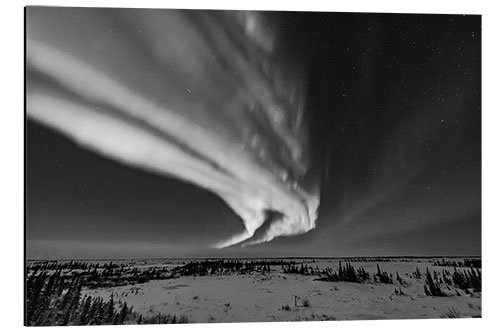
277, 296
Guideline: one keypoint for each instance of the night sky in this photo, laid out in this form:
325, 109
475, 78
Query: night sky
394, 103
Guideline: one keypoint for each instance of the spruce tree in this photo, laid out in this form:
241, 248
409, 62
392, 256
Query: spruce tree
123, 313
110, 310
84, 315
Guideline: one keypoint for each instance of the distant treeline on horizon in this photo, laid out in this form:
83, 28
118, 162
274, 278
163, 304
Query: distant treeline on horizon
267, 258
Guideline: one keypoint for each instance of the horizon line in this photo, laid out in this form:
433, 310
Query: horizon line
264, 257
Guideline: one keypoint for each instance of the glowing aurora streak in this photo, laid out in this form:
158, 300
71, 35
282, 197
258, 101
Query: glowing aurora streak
194, 95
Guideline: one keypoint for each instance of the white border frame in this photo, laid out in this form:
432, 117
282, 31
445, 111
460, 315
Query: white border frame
12, 165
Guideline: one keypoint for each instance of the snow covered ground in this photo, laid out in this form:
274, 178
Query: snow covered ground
278, 296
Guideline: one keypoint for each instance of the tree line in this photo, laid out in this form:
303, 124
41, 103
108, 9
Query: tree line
70, 265
347, 273
224, 267
52, 300
467, 262
468, 280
